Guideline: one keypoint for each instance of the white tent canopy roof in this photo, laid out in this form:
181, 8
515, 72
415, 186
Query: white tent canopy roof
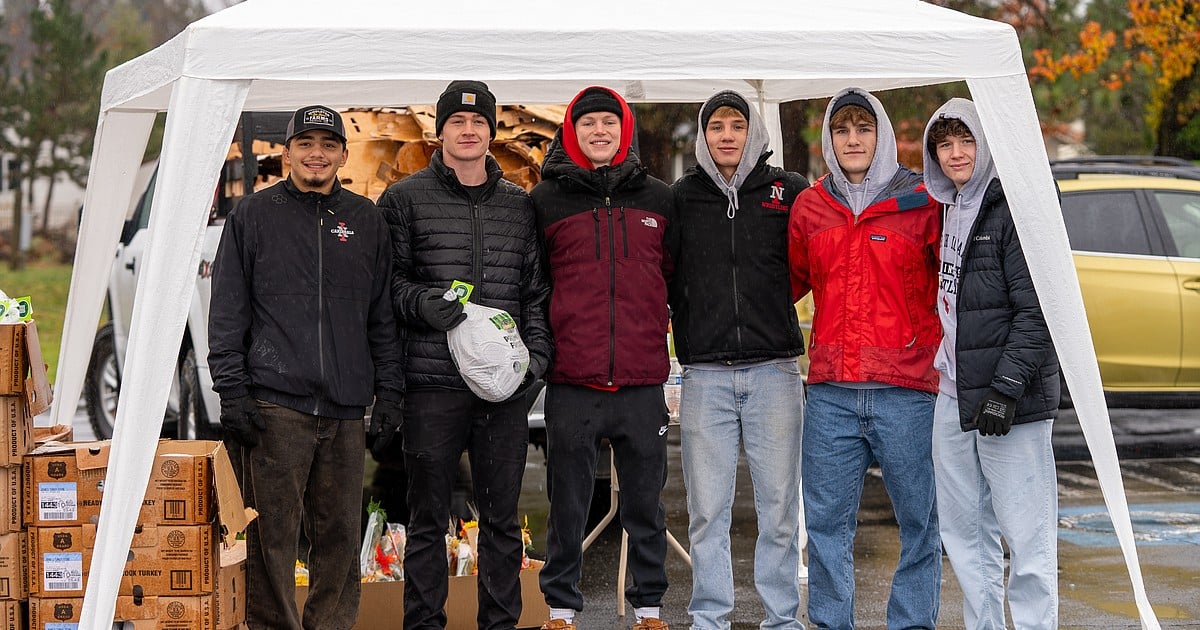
283, 54
542, 51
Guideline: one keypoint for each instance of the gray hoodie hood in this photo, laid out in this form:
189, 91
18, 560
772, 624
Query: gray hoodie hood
961, 211
939, 186
756, 145
883, 167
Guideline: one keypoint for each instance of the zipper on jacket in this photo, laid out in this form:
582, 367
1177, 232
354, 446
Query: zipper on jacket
624, 233
476, 248
737, 317
320, 301
596, 217
612, 295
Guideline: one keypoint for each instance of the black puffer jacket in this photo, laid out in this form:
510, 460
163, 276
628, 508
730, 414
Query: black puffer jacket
438, 236
731, 299
1003, 341
301, 315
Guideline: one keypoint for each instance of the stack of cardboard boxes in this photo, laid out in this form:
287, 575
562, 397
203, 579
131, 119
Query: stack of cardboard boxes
24, 393
183, 568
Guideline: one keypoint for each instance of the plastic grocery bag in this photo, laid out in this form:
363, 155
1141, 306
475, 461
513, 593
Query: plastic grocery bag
488, 351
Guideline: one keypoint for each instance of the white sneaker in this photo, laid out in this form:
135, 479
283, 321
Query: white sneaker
803, 573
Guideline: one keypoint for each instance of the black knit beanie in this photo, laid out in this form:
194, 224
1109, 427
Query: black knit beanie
595, 99
852, 98
466, 96
722, 99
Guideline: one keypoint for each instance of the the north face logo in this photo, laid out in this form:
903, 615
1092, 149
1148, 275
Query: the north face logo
650, 222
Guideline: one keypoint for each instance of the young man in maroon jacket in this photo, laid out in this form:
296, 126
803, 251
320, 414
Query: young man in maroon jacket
608, 230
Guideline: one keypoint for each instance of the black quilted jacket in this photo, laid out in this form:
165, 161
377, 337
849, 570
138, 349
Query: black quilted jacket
1003, 341
438, 236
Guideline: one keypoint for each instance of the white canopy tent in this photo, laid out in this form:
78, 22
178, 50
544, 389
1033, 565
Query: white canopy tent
283, 54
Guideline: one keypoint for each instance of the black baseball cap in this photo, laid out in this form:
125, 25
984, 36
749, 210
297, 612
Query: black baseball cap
315, 117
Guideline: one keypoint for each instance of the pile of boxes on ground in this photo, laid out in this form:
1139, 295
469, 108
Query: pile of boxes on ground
184, 568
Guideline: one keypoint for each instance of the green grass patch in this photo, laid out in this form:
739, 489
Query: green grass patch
47, 285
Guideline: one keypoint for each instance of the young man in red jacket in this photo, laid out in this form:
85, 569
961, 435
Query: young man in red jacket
608, 227
864, 240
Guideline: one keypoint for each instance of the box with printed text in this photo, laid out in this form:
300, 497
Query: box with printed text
162, 560
224, 608
191, 482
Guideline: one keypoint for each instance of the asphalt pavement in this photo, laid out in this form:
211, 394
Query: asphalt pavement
1158, 450
1160, 458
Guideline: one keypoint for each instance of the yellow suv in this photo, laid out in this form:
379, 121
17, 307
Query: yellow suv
1134, 227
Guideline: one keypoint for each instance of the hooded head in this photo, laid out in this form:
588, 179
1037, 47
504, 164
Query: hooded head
592, 100
939, 185
752, 150
883, 165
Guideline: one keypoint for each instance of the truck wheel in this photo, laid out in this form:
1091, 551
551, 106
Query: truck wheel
102, 384
191, 422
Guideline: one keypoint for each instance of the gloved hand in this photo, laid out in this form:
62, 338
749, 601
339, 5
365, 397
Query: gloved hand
440, 313
995, 415
240, 419
387, 417
535, 372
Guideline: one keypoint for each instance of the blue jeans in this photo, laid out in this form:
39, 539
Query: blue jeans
844, 431
760, 408
993, 486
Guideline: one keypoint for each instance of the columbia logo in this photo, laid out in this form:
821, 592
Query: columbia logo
650, 222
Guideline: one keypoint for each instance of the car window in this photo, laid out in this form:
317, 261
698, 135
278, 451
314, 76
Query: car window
1182, 213
1107, 221
143, 211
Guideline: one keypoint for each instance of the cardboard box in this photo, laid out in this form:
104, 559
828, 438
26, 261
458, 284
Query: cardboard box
14, 581
22, 369
163, 560
10, 508
12, 615
16, 430
382, 603
224, 608
191, 482
14, 360
60, 433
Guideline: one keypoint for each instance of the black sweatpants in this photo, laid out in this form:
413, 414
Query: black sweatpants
438, 426
634, 420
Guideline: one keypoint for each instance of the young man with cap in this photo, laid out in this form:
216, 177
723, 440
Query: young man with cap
608, 229
737, 336
458, 219
864, 239
999, 390
301, 340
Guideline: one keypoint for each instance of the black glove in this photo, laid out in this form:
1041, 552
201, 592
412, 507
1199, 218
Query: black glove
995, 415
535, 372
240, 419
440, 313
386, 419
